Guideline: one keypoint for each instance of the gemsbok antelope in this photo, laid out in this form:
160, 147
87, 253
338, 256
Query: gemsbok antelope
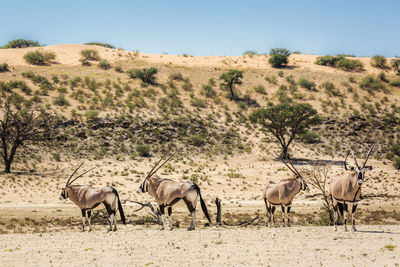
282, 194
345, 189
167, 192
88, 198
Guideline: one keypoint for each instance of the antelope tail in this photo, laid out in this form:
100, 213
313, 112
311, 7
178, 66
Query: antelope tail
203, 204
121, 211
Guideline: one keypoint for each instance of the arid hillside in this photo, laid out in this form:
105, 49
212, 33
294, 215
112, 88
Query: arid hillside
109, 117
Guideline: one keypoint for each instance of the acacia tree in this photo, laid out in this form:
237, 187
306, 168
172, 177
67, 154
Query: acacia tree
278, 57
20, 122
231, 78
284, 121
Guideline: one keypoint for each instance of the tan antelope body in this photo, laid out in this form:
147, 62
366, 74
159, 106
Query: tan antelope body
282, 194
88, 198
345, 189
167, 192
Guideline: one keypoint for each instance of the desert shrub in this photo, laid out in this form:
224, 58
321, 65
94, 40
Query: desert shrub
271, 79
378, 61
21, 43
146, 75
349, 64
61, 100
309, 137
395, 64
327, 60
85, 62
198, 102
278, 57
395, 82
4, 67
39, 57
382, 77
394, 154
103, 64
330, 89
208, 89
260, 89
9, 86
176, 76
249, 53
90, 54
143, 150
305, 83
196, 140
101, 44
372, 85
91, 114
118, 69
187, 85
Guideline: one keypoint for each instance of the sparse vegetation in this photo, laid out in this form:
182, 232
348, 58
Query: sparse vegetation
340, 62
146, 75
21, 43
372, 85
39, 57
231, 78
305, 83
143, 150
101, 44
278, 57
103, 64
90, 54
378, 61
4, 67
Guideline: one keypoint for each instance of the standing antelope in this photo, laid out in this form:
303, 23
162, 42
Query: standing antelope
282, 194
167, 192
88, 198
346, 188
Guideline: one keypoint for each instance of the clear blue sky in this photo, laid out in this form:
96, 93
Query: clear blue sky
205, 27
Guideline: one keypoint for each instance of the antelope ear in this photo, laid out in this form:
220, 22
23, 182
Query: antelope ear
368, 167
351, 168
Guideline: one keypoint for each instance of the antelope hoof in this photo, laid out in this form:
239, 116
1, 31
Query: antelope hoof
90, 230
109, 230
171, 228
162, 228
190, 228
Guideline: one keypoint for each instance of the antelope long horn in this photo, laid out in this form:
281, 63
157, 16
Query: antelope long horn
345, 160
291, 164
81, 175
366, 159
162, 164
285, 163
354, 157
73, 174
149, 174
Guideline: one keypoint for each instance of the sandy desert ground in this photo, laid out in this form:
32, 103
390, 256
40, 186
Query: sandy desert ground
254, 246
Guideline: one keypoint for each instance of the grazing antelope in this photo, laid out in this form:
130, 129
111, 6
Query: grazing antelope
282, 194
167, 192
345, 189
88, 198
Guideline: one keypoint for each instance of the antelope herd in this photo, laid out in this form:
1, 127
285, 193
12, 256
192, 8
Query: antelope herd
345, 190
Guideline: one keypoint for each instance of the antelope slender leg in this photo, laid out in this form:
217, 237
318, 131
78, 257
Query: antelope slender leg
170, 218
335, 214
162, 217
353, 213
268, 212
287, 214
272, 212
283, 215
193, 224
89, 216
345, 212
115, 220
83, 211
192, 211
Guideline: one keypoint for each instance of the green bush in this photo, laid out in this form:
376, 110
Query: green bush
197, 140
101, 44
249, 53
146, 75
118, 69
378, 61
349, 64
395, 63
103, 64
395, 82
92, 114
143, 150
310, 85
21, 43
4, 67
309, 137
330, 89
198, 102
61, 100
328, 60
260, 89
90, 54
372, 85
187, 85
9, 86
382, 77
177, 76
39, 57
278, 57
